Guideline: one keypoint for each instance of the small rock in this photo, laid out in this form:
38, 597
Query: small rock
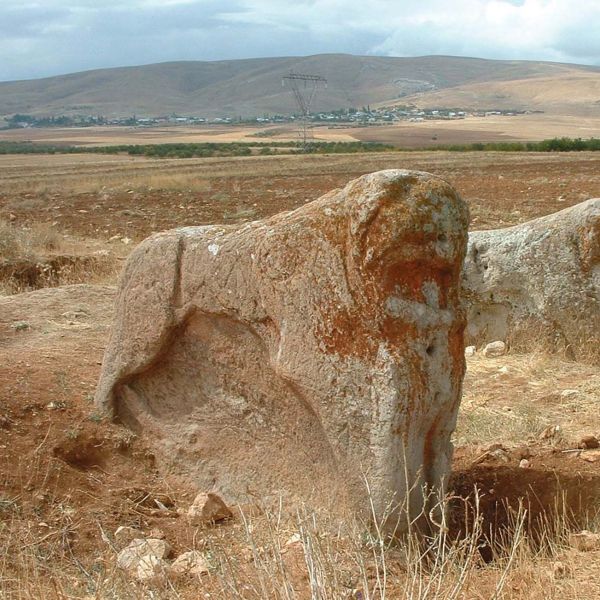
126, 240
189, 563
124, 535
157, 534
565, 394
470, 351
129, 558
500, 454
494, 349
589, 442
12, 217
585, 541
494, 452
208, 508
524, 464
150, 568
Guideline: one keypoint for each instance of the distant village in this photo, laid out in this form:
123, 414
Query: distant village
366, 116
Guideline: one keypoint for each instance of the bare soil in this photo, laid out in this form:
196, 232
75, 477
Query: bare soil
100, 199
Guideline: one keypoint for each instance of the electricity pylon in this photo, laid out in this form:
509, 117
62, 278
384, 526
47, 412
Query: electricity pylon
304, 88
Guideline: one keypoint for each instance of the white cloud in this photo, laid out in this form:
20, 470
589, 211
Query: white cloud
58, 36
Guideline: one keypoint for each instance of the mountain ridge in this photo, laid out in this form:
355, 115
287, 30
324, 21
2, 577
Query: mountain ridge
252, 87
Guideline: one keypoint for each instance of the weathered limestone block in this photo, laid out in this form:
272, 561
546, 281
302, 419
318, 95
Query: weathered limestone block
539, 280
303, 353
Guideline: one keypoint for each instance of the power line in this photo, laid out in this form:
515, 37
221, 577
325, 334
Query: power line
304, 88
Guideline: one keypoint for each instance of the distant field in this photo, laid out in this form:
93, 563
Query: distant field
424, 134
502, 188
532, 127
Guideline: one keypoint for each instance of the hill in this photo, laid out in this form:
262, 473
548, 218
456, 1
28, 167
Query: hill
571, 91
253, 87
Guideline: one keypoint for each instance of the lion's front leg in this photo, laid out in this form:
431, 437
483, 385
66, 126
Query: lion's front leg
145, 315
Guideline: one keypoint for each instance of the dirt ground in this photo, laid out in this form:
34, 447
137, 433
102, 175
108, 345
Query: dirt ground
68, 478
100, 197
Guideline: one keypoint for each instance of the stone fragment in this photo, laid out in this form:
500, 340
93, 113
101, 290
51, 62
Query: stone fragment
470, 351
538, 282
585, 541
189, 563
275, 356
208, 508
588, 442
150, 568
124, 535
129, 558
493, 452
524, 463
494, 349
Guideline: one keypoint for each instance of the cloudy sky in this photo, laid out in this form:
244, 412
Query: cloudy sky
48, 37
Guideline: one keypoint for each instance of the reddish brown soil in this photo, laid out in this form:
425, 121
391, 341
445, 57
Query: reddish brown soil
556, 486
501, 189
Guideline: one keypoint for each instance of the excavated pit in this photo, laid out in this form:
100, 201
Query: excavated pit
553, 500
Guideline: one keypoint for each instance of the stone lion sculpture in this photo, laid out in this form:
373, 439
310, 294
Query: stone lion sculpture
316, 354
537, 282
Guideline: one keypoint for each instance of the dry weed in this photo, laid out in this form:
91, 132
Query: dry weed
33, 257
514, 398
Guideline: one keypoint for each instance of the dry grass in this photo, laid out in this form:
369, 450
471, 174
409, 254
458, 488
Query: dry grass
27, 243
280, 556
34, 257
39, 174
514, 398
